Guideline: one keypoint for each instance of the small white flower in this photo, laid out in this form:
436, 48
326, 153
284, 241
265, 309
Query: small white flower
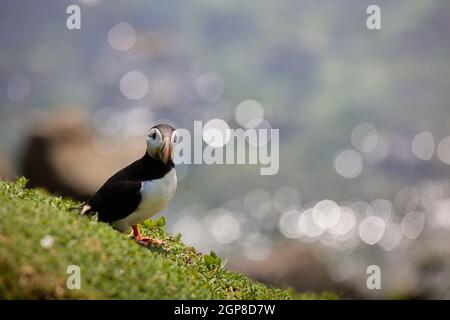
47, 242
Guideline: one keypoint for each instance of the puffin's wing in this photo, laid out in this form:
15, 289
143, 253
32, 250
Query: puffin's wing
116, 199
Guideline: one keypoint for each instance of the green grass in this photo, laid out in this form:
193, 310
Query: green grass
112, 265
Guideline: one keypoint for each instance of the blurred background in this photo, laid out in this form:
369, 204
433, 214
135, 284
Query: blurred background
363, 115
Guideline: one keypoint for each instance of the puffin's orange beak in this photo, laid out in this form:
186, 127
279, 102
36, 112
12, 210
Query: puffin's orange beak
165, 150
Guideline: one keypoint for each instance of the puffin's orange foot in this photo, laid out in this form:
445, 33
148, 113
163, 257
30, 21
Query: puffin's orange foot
147, 241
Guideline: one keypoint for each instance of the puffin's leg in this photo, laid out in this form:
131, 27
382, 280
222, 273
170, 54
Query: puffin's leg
146, 241
138, 236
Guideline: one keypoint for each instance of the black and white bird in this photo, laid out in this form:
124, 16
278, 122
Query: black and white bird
140, 190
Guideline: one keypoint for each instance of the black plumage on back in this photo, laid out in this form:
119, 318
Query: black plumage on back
120, 195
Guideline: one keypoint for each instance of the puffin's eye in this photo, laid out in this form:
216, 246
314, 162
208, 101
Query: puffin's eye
153, 135
174, 137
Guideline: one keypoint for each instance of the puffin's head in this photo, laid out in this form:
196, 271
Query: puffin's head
160, 141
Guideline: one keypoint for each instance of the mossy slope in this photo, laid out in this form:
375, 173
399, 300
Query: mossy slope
40, 237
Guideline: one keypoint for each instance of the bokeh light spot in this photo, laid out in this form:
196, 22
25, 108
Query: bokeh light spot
407, 199
190, 228
364, 137
249, 113
216, 133
444, 150
288, 224
134, 85
326, 214
210, 86
257, 202
307, 224
257, 246
286, 198
225, 228
422, 145
349, 164
122, 36
371, 229
346, 222
412, 224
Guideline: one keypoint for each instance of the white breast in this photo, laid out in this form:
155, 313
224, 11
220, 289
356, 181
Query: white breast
156, 194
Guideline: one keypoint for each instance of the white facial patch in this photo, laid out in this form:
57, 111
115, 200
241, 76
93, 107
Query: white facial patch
154, 142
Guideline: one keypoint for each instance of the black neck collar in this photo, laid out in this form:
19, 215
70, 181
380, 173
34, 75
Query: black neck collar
150, 161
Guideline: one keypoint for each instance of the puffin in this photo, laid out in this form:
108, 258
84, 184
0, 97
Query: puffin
140, 190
